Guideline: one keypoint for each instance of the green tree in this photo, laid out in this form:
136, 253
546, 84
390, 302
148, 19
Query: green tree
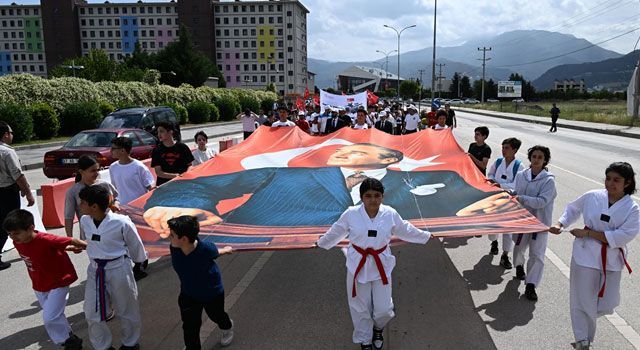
465, 87
96, 67
453, 88
408, 89
490, 89
191, 66
528, 91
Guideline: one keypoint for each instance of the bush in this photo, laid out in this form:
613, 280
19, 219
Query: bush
45, 121
19, 120
79, 116
267, 104
249, 102
105, 108
180, 111
199, 112
229, 107
215, 113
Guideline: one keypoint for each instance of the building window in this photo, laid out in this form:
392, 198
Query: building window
289, 49
153, 44
252, 20
85, 45
289, 25
150, 21
279, 19
143, 22
143, 33
261, 20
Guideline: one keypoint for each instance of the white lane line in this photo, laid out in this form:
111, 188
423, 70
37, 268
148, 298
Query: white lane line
599, 183
618, 322
230, 299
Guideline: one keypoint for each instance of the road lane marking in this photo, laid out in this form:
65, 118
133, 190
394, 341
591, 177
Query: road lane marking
618, 322
230, 299
586, 178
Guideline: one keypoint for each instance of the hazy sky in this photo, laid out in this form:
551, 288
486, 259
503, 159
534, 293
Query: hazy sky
347, 30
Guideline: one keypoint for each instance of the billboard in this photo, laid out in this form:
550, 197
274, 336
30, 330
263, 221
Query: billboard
509, 89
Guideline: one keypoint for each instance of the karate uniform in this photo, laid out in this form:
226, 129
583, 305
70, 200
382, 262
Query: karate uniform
503, 174
107, 247
620, 224
369, 296
537, 196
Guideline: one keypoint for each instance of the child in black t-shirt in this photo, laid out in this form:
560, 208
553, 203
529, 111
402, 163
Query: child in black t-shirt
479, 151
170, 158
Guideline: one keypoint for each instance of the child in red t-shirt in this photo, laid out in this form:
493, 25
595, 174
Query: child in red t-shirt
50, 270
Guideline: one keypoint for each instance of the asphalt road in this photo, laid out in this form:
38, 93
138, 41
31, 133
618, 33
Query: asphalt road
448, 294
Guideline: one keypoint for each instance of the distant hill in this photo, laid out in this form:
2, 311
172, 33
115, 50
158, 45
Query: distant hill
508, 49
611, 72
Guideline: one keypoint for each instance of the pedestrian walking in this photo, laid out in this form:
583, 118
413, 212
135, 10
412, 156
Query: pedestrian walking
479, 151
611, 221
555, 114
202, 153
13, 183
452, 122
170, 159
249, 120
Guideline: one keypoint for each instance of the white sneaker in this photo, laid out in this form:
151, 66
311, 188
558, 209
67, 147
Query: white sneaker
582, 345
227, 336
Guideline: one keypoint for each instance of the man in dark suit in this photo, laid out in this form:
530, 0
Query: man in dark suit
281, 196
383, 124
334, 123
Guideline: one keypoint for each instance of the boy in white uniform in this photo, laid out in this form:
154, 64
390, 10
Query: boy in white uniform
612, 220
503, 174
369, 227
110, 238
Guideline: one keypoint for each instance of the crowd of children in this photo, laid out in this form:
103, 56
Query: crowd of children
112, 242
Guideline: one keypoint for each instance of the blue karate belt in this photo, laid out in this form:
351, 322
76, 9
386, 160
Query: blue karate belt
534, 236
101, 287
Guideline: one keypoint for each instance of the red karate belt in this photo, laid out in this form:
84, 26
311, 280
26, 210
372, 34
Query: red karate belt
603, 255
376, 258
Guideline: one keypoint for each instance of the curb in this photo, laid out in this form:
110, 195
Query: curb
60, 143
559, 124
26, 167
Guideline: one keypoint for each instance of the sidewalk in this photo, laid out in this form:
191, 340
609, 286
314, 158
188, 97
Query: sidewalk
618, 130
32, 156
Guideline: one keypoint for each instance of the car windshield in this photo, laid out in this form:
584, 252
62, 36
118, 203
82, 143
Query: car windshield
121, 121
91, 139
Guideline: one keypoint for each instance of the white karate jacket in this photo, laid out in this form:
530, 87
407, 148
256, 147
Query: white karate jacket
503, 174
116, 236
355, 224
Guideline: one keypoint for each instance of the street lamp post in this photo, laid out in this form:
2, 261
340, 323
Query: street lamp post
398, 33
433, 62
386, 70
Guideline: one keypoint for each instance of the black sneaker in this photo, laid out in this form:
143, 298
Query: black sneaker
494, 248
135, 347
139, 274
530, 292
504, 261
72, 343
4, 265
366, 347
378, 339
520, 272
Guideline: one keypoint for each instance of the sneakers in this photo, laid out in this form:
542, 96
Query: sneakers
227, 336
4, 265
530, 292
134, 347
366, 347
72, 343
378, 339
504, 261
494, 248
582, 345
520, 272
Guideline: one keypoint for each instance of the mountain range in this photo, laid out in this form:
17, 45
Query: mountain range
530, 53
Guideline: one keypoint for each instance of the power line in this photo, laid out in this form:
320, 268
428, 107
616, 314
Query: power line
571, 52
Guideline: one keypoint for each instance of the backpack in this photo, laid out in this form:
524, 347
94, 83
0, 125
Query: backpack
516, 165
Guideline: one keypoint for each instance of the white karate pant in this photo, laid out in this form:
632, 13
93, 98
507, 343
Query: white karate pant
372, 307
507, 241
53, 303
537, 248
585, 306
123, 296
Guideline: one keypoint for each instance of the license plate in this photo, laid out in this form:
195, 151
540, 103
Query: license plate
70, 161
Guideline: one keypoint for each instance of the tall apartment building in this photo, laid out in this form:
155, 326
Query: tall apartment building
252, 42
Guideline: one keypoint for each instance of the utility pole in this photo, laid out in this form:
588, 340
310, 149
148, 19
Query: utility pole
484, 64
440, 65
433, 62
420, 71
636, 92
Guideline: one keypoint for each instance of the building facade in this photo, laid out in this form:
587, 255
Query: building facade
254, 43
566, 85
360, 78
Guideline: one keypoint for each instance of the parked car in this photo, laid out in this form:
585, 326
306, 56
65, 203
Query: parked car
62, 163
492, 100
518, 100
142, 118
471, 101
455, 102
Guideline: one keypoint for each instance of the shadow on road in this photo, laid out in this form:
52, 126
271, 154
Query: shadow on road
483, 274
26, 337
455, 242
510, 309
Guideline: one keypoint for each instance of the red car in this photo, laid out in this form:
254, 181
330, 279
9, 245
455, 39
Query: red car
62, 163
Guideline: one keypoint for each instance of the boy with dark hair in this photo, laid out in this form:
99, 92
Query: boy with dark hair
369, 227
50, 270
170, 159
503, 174
479, 151
131, 178
200, 281
112, 241
441, 116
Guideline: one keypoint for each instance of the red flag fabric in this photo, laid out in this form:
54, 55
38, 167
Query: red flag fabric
306, 93
316, 99
283, 188
371, 98
300, 104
